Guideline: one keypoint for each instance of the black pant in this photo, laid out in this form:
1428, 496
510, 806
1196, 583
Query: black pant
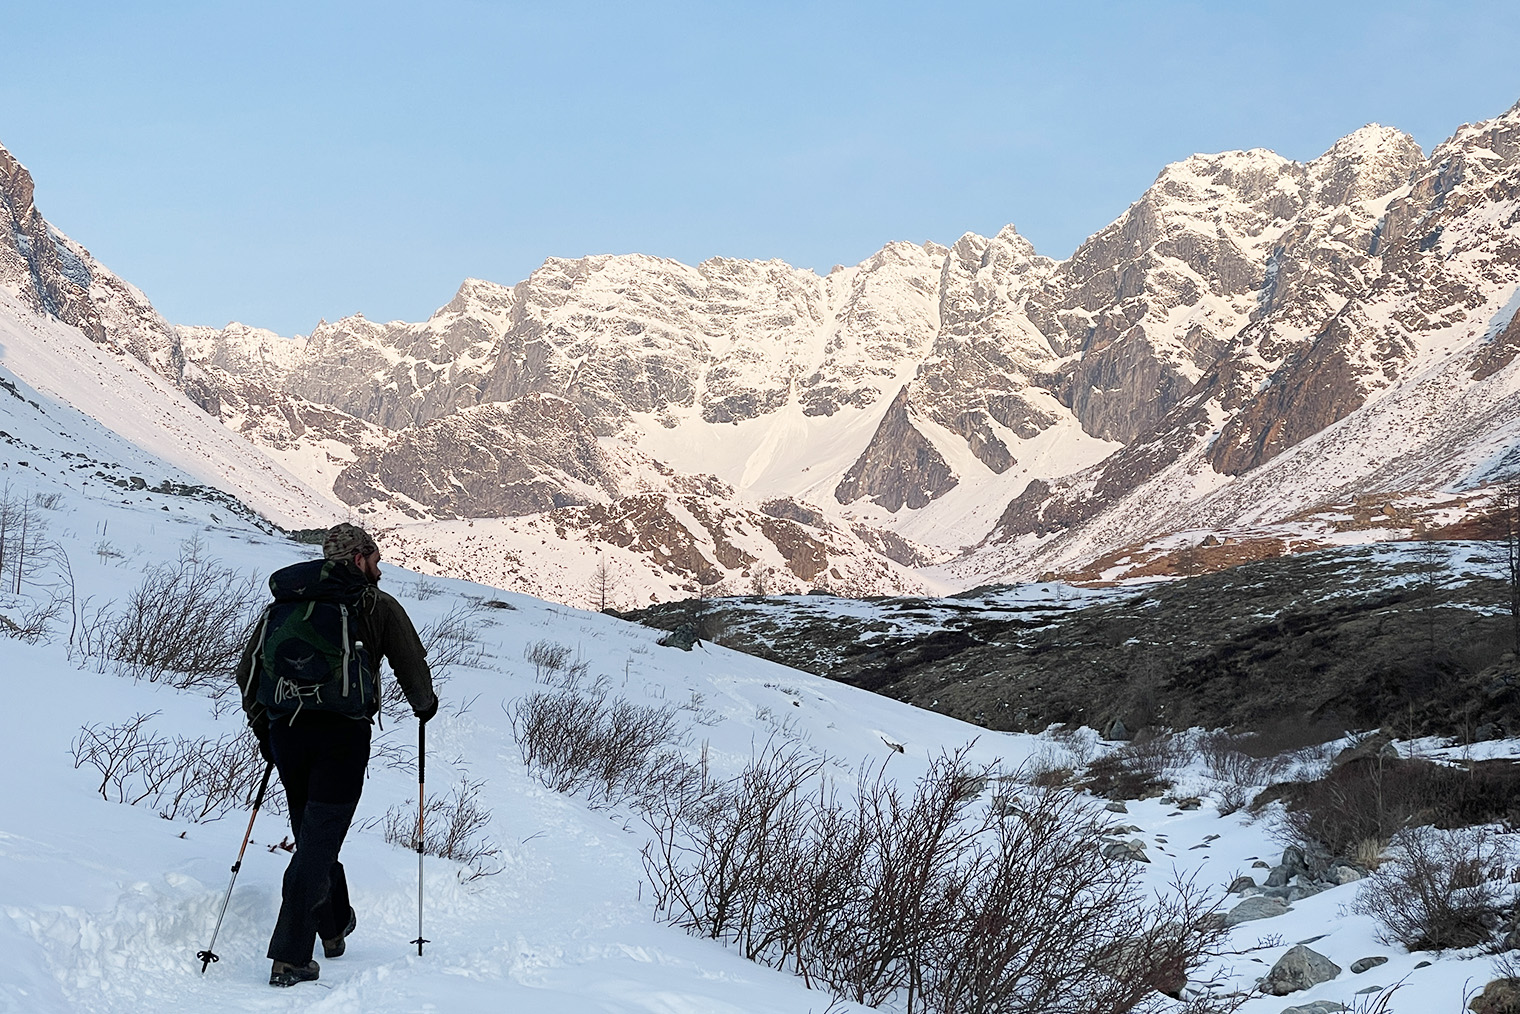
321, 760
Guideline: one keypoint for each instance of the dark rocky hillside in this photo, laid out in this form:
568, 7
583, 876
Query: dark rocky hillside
1416, 636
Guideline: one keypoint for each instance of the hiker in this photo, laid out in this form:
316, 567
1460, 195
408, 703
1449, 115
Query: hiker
310, 684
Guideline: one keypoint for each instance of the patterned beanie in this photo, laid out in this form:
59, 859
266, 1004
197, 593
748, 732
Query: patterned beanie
343, 541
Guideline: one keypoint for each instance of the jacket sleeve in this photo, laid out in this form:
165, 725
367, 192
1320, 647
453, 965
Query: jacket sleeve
247, 677
403, 649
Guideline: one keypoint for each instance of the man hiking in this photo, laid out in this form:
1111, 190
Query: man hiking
310, 683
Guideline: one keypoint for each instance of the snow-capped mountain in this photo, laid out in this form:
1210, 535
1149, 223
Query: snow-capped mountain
1379, 366
1253, 339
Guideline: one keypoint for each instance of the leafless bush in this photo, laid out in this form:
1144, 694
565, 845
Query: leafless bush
1239, 769
1375, 798
1138, 769
453, 828
1078, 742
198, 779
33, 620
1230, 758
392, 753
926, 900
1441, 889
581, 740
185, 624
454, 639
555, 663
24, 546
422, 589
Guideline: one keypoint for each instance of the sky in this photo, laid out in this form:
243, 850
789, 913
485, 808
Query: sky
281, 163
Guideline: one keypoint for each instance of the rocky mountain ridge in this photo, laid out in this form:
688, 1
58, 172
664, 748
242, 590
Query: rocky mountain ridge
1252, 339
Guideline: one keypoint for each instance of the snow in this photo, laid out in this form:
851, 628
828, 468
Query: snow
61, 364
103, 906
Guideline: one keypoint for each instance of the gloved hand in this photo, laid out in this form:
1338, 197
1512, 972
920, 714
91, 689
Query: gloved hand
428, 712
260, 727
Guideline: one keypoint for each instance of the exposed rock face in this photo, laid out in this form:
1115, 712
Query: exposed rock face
696, 544
530, 455
1391, 262
52, 274
899, 467
1232, 312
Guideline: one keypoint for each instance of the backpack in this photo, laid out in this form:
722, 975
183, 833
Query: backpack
311, 655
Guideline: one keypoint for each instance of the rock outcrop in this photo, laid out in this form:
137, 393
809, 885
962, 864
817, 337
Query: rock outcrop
52, 274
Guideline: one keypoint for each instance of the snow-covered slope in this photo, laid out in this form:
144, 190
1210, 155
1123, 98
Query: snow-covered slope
103, 906
1406, 384
109, 407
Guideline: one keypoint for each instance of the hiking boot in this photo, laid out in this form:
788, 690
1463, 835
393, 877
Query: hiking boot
332, 947
283, 973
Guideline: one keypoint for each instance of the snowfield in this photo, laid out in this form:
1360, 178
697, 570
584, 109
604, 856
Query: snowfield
105, 905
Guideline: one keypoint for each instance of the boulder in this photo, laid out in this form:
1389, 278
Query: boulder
1379, 744
1260, 907
1241, 883
1298, 969
1361, 965
1317, 1007
683, 637
1131, 850
1298, 892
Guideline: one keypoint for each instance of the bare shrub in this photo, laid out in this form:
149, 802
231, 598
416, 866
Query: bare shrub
1078, 742
198, 779
34, 620
1376, 798
453, 827
1230, 757
554, 663
186, 624
926, 900
581, 740
24, 546
1239, 766
1137, 770
1441, 889
422, 589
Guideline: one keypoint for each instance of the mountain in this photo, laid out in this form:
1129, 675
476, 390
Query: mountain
1379, 366
95, 388
1252, 353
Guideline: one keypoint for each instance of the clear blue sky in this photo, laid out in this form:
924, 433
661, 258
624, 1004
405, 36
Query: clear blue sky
277, 163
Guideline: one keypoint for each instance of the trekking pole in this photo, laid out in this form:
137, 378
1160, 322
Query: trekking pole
421, 788
208, 955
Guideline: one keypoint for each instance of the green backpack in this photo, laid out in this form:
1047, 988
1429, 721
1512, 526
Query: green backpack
311, 656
